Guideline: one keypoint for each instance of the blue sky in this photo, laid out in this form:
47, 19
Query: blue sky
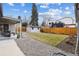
55, 10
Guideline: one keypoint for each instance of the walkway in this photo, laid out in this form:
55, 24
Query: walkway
31, 47
9, 48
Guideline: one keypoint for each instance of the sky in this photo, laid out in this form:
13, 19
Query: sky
51, 10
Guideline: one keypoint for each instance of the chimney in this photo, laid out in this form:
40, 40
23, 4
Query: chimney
1, 12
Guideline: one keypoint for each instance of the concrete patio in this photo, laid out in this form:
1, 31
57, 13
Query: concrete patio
9, 48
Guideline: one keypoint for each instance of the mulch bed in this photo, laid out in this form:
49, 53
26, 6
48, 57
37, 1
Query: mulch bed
68, 45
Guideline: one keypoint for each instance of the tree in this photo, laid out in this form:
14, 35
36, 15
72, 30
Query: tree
34, 17
19, 17
56, 24
52, 24
24, 24
59, 24
1, 13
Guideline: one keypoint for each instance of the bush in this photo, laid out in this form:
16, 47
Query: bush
18, 35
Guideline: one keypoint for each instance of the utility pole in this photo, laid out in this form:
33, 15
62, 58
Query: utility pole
77, 20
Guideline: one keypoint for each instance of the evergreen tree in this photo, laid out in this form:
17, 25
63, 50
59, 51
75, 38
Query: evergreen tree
59, 24
34, 17
19, 17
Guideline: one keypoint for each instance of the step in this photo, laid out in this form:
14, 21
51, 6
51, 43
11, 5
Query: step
4, 38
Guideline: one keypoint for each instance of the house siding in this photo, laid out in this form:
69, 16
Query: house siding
12, 27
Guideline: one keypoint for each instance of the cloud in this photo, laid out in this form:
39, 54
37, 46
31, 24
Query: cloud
56, 4
23, 4
60, 7
55, 11
67, 8
25, 11
44, 5
52, 13
59, 3
55, 14
11, 4
73, 8
15, 9
67, 12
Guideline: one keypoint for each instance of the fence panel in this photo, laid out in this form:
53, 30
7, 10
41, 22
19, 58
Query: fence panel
68, 31
23, 29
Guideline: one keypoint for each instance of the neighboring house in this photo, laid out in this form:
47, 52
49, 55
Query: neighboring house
7, 24
66, 25
70, 25
66, 20
33, 29
49, 23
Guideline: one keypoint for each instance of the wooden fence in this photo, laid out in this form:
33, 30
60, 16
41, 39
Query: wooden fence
68, 31
23, 29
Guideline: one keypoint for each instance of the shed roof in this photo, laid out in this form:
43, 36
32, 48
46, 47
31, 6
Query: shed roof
8, 20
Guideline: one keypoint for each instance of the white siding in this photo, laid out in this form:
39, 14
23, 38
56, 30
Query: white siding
29, 29
12, 27
35, 30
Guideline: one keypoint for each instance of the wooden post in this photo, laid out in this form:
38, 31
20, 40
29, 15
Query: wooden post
19, 17
77, 20
77, 41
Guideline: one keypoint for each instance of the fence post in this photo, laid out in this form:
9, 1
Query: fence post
76, 6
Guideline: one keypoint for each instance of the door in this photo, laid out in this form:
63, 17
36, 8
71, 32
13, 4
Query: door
6, 27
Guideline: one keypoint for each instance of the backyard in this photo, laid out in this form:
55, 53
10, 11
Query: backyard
52, 39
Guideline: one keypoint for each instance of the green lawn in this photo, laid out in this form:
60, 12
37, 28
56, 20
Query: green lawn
52, 39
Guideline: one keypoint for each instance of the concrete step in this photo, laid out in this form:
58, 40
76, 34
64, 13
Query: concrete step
4, 38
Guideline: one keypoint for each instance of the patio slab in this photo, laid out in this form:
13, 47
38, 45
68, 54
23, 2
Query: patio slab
9, 48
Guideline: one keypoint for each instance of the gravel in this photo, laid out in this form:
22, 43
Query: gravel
32, 47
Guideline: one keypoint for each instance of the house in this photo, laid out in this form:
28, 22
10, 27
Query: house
70, 25
65, 25
33, 29
7, 24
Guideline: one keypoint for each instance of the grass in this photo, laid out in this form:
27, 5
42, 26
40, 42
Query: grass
52, 39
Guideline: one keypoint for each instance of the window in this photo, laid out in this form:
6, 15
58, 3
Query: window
1, 27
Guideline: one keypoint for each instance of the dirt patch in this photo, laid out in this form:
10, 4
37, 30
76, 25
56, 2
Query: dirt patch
68, 44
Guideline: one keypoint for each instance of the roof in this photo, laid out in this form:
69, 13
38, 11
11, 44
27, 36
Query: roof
34, 26
70, 24
8, 20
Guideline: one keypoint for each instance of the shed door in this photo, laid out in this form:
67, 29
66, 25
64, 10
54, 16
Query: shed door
6, 27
